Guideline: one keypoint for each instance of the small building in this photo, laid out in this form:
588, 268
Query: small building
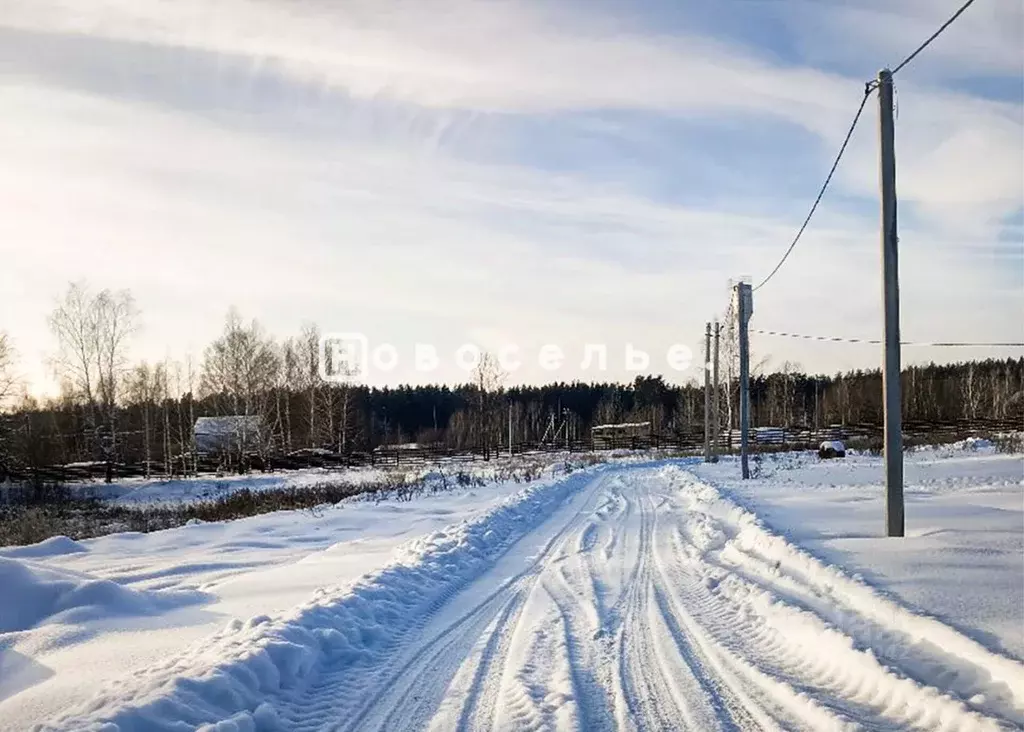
230, 435
404, 446
626, 434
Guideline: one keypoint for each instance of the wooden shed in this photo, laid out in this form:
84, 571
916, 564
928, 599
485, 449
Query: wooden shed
626, 434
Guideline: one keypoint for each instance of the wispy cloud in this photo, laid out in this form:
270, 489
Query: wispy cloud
405, 168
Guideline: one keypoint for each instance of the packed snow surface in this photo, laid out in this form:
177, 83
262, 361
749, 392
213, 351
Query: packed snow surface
642, 596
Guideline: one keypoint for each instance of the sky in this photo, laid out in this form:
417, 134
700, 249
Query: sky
509, 173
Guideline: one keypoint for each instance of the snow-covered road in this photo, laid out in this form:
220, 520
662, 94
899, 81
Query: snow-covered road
648, 602
619, 598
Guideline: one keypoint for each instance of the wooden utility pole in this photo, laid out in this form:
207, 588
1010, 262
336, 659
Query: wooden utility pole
707, 393
891, 392
714, 395
744, 308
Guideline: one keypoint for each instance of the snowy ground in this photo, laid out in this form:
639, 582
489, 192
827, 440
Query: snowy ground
157, 491
140, 492
963, 558
623, 596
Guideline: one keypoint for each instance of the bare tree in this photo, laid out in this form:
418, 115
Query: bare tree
184, 399
308, 376
73, 323
115, 320
146, 386
241, 366
972, 393
8, 383
190, 371
488, 378
8, 378
288, 380
93, 332
348, 425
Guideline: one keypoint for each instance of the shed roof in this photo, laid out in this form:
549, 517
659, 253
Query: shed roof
226, 425
622, 426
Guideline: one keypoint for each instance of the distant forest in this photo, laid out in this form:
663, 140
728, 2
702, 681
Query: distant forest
113, 410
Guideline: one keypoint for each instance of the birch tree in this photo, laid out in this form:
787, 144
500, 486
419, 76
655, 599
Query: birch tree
8, 382
93, 332
8, 377
308, 377
146, 386
488, 379
241, 367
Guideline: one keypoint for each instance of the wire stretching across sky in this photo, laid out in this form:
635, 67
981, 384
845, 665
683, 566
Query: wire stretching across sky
933, 36
869, 87
824, 187
876, 342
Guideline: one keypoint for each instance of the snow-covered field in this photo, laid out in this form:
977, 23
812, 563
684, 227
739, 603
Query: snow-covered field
629, 595
141, 492
156, 491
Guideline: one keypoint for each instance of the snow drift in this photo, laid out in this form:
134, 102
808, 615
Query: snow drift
34, 595
224, 682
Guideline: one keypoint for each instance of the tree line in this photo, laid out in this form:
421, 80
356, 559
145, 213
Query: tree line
113, 410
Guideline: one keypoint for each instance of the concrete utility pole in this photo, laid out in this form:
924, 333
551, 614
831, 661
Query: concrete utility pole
891, 392
714, 396
744, 308
707, 393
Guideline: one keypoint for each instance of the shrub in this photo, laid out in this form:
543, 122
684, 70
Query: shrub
1011, 443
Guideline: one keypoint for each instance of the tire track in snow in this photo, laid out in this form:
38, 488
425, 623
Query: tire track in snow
576, 594
646, 690
669, 682
917, 657
431, 667
794, 643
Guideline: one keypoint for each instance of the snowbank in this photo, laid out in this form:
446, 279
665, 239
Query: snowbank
977, 445
34, 595
266, 564
227, 678
839, 596
55, 546
961, 558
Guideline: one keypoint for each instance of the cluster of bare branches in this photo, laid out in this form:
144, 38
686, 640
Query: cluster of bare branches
93, 331
8, 376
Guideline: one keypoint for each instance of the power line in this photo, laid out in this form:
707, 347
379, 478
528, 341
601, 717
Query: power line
933, 36
868, 88
837, 339
876, 342
849, 133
